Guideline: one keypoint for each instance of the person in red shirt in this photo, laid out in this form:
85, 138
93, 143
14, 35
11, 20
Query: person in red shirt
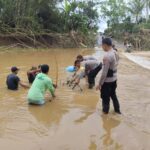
31, 74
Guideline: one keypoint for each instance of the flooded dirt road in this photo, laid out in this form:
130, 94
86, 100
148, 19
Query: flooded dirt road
142, 59
73, 121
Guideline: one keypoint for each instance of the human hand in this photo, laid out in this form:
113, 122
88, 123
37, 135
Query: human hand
55, 86
98, 87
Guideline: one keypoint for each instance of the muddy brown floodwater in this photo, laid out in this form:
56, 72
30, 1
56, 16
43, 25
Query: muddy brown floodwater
73, 121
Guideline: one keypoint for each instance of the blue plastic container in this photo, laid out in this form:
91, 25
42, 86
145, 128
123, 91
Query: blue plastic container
70, 69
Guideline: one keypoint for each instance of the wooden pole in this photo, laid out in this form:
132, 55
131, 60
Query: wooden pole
57, 68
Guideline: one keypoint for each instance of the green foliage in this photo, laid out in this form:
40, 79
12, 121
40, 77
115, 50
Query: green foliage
113, 11
136, 29
136, 7
40, 15
80, 16
123, 16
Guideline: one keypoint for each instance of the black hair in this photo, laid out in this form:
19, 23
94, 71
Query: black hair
44, 68
79, 57
107, 41
39, 66
14, 69
76, 62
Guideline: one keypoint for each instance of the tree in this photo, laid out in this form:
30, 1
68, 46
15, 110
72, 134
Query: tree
39, 15
136, 7
147, 5
114, 11
80, 15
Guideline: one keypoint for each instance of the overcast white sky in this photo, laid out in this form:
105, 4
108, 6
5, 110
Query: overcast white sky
102, 26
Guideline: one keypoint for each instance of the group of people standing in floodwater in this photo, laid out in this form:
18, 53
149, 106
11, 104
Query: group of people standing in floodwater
84, 67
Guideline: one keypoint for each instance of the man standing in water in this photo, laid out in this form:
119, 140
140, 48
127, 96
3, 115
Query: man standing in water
108, 81
41, 84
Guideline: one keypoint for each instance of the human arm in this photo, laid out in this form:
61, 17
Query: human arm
106, 65
79, 76
33, 71
18, 81
24, 85
51, 88
87, 68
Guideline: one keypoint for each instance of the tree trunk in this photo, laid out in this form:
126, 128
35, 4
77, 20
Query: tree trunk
147, 14
137, 19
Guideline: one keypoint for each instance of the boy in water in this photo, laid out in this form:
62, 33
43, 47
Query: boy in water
13, 81
31, 74
78, 74
77, 70
41, 84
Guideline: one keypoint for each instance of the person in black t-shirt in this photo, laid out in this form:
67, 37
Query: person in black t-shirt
13, 81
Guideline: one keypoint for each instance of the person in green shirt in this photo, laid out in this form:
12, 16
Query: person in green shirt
41, 84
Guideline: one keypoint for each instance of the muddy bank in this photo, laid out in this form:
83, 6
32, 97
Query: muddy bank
47, 40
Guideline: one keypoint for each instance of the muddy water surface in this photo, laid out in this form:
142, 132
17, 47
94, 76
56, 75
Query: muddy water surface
73, 121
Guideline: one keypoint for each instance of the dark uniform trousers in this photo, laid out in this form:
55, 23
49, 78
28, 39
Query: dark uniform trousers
92, 75
108, 91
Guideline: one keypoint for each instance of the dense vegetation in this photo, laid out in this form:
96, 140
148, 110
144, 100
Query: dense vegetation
66, 23
128, 20
47, 15
33, 19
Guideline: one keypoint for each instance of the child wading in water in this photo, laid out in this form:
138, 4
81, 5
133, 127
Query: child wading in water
77, 71
32, 73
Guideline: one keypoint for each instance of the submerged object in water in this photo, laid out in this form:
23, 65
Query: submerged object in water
71, 69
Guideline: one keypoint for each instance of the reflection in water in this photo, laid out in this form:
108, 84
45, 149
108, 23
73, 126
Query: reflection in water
84, 117
48, 114
109, 124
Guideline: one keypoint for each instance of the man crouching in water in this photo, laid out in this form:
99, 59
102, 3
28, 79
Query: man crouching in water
91, 69
41, 84
108, 81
